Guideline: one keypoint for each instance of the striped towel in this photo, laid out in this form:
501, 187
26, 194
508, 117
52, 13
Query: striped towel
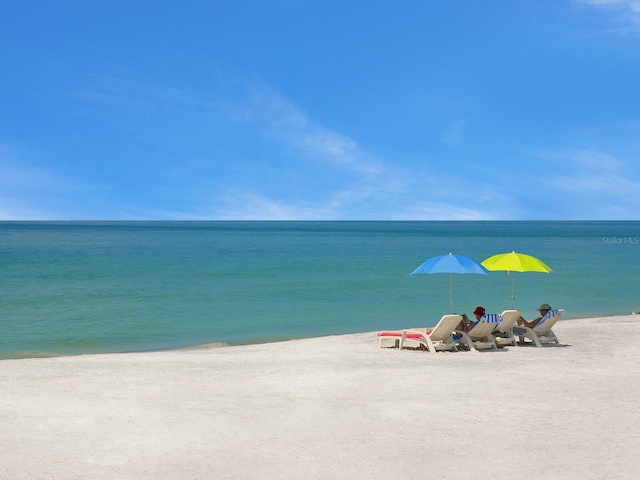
550, 314
492, 318
489, 318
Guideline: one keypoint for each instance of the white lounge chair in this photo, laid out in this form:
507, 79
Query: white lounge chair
479, 337
434, 339
504, 329
541, 334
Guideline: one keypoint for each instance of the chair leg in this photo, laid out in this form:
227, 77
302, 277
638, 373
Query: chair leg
404, 336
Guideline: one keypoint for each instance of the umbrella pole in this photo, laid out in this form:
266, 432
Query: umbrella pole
513, 279
450, 293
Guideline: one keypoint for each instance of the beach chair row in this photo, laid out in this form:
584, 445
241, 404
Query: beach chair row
492, 331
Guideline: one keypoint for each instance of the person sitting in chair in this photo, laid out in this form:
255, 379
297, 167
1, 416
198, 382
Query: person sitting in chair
467, 327
544, 309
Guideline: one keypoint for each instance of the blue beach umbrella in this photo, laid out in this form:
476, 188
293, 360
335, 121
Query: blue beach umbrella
451, 264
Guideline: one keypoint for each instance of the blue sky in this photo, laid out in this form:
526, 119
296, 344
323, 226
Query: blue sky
319, 110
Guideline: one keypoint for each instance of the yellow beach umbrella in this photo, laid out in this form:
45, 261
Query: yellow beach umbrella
515, 262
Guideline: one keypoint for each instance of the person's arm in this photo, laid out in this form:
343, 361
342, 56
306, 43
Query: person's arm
463, 323
530, 324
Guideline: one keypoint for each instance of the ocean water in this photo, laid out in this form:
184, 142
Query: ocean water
92, 287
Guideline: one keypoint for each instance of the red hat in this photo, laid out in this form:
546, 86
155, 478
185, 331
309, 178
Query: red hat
479, 311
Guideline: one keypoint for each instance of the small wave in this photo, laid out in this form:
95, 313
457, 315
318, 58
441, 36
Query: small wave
208, 346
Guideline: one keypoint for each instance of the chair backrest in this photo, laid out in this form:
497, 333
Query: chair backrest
485, 325
445, 327
509, 319
547, 322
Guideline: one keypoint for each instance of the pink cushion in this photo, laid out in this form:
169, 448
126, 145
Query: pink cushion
399, 334
389, 334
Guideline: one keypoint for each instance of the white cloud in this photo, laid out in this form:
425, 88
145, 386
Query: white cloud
361, 185
377, 188
599, 197
443, 211
341, 206
29, 191
575, 184
590, 185
137, 97
239, 204
627, 11
396, 195
283, 120
584, 160
357, 183
633, 5
337, 149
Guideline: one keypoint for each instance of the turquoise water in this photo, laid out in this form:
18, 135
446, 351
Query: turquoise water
86, 287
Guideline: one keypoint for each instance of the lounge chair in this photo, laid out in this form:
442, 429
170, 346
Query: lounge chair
541, 334
503, 334
479, 337
434, 339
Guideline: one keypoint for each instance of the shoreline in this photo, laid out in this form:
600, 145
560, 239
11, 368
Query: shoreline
330, 407
206, 346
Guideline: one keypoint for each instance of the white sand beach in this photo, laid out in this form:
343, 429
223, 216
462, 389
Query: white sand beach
331, 408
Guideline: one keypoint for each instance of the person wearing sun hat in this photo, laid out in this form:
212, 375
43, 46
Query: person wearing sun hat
543, 309
464, 326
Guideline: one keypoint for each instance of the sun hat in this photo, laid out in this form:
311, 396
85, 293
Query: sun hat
479, 311
544, 306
